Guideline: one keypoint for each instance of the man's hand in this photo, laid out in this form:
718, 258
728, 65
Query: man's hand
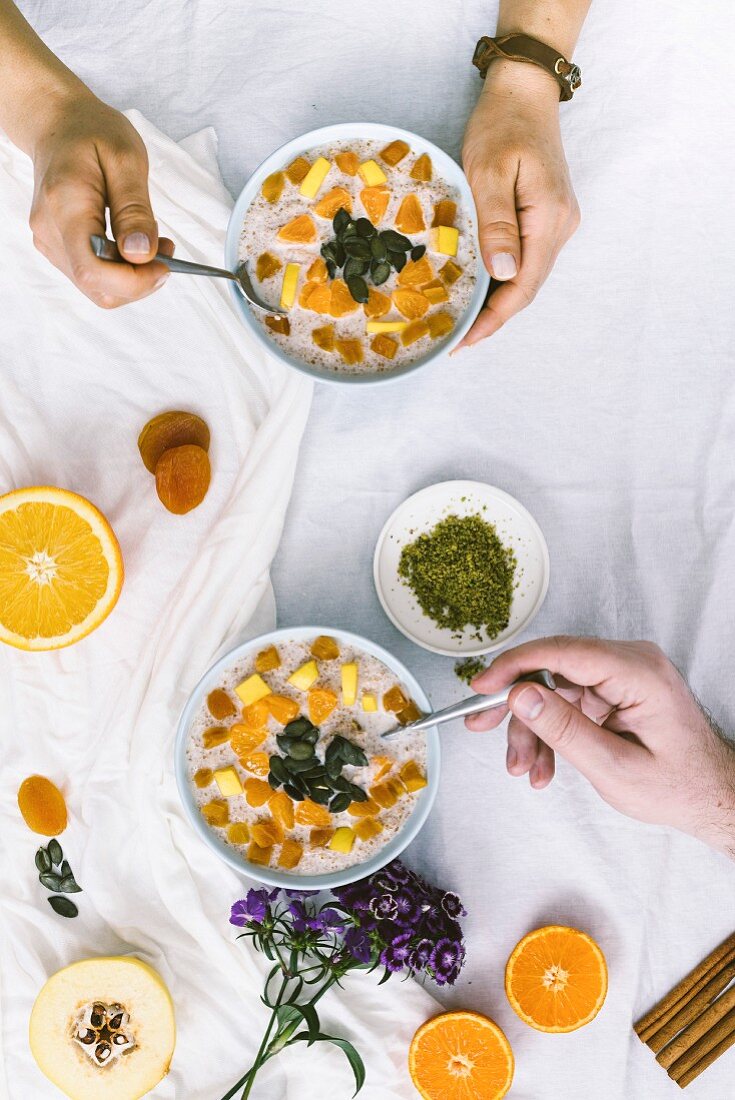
625, 718
515, 165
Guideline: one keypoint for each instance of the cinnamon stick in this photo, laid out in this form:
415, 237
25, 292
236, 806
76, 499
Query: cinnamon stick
703, 1063
686, 1039
698, 1051
687, 1014
683, 992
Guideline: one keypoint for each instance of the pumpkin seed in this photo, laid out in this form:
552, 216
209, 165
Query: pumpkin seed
311, 736
334, 768
297, 728
349, 230
417, 251
398, 259
334, 750
65, 869
357, 794
300, 750
339, 254
355, 267
65, 907
50, 880
365, 228
357, 247
380, 270
339, 803
293, 792
68, 885
395, 242
341, 784
358, 288
43, 860
316, 772
353, 754
278, 769
273, 781
341, 220
331, 268
299, 767
321, 795
378, 248
54, 850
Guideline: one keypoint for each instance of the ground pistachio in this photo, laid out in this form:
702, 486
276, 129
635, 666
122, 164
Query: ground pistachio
467, 669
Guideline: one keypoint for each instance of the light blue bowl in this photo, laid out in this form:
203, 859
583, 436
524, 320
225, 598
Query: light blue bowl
446, 168
273, 876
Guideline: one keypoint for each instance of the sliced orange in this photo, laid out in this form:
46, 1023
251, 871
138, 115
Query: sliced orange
320, 299
243, 740
461, 1056
61, 569
556, 979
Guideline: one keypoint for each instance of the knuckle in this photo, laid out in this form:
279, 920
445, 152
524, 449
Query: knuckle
83, 276
499, 229
563, 727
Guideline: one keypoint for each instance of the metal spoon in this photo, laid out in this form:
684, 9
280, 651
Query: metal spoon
107, 250
475, 704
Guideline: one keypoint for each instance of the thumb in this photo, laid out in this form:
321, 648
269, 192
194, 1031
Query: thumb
131, 217
593, 750
500, 241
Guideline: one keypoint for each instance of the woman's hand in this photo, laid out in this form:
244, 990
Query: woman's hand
87, 157
625, 718
515, 164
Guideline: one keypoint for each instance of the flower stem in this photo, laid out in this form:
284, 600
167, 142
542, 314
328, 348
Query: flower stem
248, 1078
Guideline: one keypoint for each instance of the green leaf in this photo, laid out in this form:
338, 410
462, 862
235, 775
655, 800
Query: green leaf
356, 1063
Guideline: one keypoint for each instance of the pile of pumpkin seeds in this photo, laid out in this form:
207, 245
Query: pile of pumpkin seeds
360, 250
60, 881
303, 775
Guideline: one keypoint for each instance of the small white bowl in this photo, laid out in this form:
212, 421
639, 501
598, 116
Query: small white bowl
446, 168
271, 875
516, 527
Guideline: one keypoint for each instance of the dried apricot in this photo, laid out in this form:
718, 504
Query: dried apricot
384, 795
377, 305
182, 478
290, 854
300, 230
322, 702
203, 777
257, 792
281, 325
266, 832
320, 299
220, 705
257, 763
410, 218
42, 805
170, 429
324, 648
375, 202
342, 301
368, 828
348, 162
238, 833
324, 337
416, 272
435, 291
259, 856
317, 272
350, 350
255, 715
411, 303
272, 187
413, 332
216, 812
450, 272
384, 764
244, 740
394, 700
394, 153
440, 324
384, 345
281, 806
422, 168
319, 838
410, 713
338, 198
282, 708
311, 813
267, 266
445, 212
214, 736
267, 660
298, 169
368, 808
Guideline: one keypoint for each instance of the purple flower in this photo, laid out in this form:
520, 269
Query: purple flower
399, 872
420, 954
384, 907
452, 906
299, 893
357, 943
326, 921
252, 908
299, 915
408, 909
395, 955
446, 961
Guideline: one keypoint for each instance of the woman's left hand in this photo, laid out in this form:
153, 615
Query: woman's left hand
515, 164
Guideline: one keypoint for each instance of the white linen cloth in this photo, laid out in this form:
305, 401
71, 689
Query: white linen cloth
607, 408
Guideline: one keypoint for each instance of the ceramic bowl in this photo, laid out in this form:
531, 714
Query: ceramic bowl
273, 876
446, 168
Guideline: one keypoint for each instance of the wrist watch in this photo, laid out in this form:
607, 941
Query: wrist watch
521, 47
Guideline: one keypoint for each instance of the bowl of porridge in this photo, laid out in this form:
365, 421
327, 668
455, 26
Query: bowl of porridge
364, 238
281, 766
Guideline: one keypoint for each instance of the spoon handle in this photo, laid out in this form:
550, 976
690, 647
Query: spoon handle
107, 250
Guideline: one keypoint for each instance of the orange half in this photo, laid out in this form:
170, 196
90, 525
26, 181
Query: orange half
556, 979
461, 1056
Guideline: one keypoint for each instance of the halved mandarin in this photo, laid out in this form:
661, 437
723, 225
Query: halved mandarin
556, 979
338, 198
461, 1056
300, 230
375, 202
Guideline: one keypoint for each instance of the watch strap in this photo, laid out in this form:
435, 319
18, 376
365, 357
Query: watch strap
521, 47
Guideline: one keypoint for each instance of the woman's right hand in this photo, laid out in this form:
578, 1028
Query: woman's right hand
87, 157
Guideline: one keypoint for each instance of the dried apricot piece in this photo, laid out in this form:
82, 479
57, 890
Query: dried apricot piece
306, 291
182, 478
290, 854
259, 856
238, 833
324, 337
449, 273
256, 762
298, 169
266, 266
384, 795
320, 838
317, 272
266, 832
411, 303
311, 813
244, 740
281, 806
368, 808
394, 153
320, 299
342, 301
170, 429
214, 736
384, 764
255, 715
267, 660
300, 230
338, 198
282, 708
281, 325
378, 304
375, 202
394, 700
272, 187
422, 168
445, 213
410, 713
350, 350
416, 272
324, 648
410, 218
322, 702
440, 324
413, 332
368, 828
203, 777
220, 705
348, 162
216, 812
435, 291
257, 792
42, 805
384, 345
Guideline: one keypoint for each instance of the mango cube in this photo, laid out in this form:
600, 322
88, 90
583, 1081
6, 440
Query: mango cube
371, 173
368, 828
385, 326
252, 689
343, 840
369, 701
349, 683
315, 177
228, 781
412, 776
305, 676
444, 239
288, 286
290, 854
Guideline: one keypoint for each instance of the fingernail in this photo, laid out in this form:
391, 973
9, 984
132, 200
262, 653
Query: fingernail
137, 244
504, 265
528, 704
511, 758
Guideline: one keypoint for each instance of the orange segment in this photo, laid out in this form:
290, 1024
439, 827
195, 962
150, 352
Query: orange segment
257, 792
416, 272
411, 303
298, 169
461, 1056
256, 762
281, 806
255, 716
320, 299
410, 218
306, 291
281, 708
322, 702
317, 272
61, 569
338, 198
342, 301
556, 979
378, 304
375, 201
348, 162
244, 740
311, 813
300, 230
